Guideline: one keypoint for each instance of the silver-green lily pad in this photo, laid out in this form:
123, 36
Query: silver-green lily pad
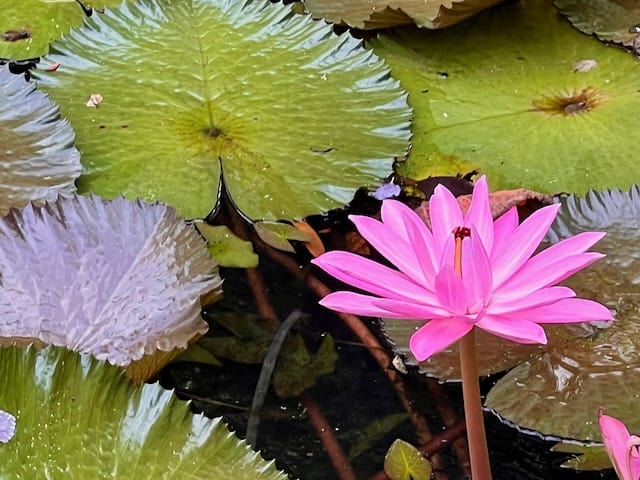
298, 117
509, 94
79, 418
559, 392
38, 160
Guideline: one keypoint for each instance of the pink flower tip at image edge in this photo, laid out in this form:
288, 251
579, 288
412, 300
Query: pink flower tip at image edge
621, 446
502, 288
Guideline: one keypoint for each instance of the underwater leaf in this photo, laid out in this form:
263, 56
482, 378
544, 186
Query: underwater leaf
79, 418
298, 370
609, 20
403, 461
374, 431
116, 279
226, 248
374, 14
199, 354
278, 234
558, 393
587, 457
297, 116
37, 157
502, 94
28, 26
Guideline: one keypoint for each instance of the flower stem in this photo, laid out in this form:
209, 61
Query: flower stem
478, 452
476, 436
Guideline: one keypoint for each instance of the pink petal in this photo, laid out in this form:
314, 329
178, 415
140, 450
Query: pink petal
615, 437
400, 218
503, 231
476, 273
411, 310
537, 298
479, 214
355, 303
520, 331
445, 215
523, 243
372, 277
568, 310
391, 246
437, 335
450, 290
532, 277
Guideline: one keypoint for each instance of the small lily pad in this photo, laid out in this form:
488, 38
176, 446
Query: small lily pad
37, 158
298, 117
226, 248
375, 14
559, 392
79, 418
403, 461
116, 279
502, 95
278, 234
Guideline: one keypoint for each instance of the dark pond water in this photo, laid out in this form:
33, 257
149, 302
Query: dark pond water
353, 397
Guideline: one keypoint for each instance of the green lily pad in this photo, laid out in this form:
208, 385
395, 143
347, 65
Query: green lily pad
116, 279
298, 117
37, 158
494, 354
559, 392
79, 418
374, 14
403, 461
226, 248
507, 94
609, 20
40, 22
590, 457
278, 234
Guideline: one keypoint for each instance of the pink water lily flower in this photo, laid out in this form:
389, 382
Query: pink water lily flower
621, 446
501, 289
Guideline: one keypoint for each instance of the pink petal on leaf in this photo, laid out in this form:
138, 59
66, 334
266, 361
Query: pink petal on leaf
437, 335
616, 437
372, 277
523, 243
445, 215
520, 331
391, 245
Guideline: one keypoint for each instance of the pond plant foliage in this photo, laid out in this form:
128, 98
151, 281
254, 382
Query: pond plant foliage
138, 114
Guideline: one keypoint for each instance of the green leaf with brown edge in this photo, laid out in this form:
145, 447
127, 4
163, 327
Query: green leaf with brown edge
376, 14
278, 234
226, 248
403, 461
37, 158
558, 393
31, 25
503, 95
609, 20
79, 418
298, 117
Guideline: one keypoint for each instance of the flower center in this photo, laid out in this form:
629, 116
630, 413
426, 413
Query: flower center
459, 234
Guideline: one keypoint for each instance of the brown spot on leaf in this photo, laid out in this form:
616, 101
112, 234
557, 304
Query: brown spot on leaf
572, 103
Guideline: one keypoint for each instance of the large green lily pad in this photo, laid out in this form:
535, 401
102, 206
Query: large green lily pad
37, 158
43, 20
559, 392
609, 20
79, 418
522, 96
373, 14
116, 279
298, 117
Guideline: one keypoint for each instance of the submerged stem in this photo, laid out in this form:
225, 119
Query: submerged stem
476, 436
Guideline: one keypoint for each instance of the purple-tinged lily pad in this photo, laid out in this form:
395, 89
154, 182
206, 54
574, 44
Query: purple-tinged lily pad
116, 279
558, 393
37, 157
